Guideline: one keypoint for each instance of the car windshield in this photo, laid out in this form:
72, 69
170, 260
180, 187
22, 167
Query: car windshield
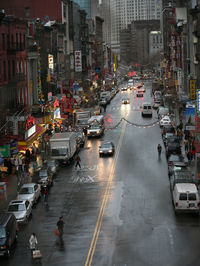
2, 232
59, 152
43, 173
26, 190
94, 126
106, 145
16, 208
82, 121
51, 163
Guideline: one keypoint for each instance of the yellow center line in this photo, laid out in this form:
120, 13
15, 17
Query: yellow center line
104, 202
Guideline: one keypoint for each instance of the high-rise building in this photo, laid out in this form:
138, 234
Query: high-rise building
123, 12
90, 7
104, 8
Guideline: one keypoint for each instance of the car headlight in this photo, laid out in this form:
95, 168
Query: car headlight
100, 151
110, 151
88, 132
98, 131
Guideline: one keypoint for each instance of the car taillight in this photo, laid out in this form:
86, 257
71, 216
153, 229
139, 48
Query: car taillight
176, 204
4, 246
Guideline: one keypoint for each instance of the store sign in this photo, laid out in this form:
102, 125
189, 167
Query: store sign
5, 150
57, 113
14, 148
50, 60
192, 89
30, 132
198, 101
78, 61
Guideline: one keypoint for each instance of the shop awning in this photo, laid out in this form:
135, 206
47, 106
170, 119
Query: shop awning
26, 144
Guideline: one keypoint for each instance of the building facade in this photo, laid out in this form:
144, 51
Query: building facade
123, 12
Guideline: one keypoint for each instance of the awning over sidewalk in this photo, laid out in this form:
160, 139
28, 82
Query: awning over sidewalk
26, 144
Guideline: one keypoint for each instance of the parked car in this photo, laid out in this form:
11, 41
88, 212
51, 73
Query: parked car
171, 138
30, 192
45, 178
162, 111
167, 129
174, 158
178, 166
166, 136
185, 197
156, 104
173, 148
165, 121
53, 166
8, 233
181, 176
106, 148
21, 209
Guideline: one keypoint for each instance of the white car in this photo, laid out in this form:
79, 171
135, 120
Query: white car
21, 209
165, 121
30, 192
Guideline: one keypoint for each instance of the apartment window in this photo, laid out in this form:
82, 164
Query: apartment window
8, 41
27, 12
9, 70
4, 70
12, 40
24, 41
13, 68
64, 11
16, 40
3, 41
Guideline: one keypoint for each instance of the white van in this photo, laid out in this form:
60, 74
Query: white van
185, 197
147, 109
96, 126
130, 83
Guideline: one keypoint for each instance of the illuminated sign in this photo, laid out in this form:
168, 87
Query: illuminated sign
50, 59
192, 89
30, 132
198, 101
78, 61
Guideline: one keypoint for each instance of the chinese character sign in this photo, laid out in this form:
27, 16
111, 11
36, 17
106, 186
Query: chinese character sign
192, 89
78, 61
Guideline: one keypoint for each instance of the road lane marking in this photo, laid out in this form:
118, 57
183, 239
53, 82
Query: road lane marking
104, 202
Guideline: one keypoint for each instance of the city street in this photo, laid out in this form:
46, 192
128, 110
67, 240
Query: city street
117, 210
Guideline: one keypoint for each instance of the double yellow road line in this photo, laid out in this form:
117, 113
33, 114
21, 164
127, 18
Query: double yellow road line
104, 202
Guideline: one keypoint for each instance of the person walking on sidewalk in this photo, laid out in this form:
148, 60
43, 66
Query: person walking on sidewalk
78, 160
186, 144
46, 195
189, 157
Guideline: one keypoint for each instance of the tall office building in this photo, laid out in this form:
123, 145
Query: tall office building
123, 12
104, 9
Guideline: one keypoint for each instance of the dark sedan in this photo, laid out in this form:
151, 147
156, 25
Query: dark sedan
173, 159
173, 148
106, 148
168, 129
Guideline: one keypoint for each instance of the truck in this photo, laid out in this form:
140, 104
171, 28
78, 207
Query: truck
106, 95
82, 118
63, 146
96, 128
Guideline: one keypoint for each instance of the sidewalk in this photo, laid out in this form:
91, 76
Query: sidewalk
12, 184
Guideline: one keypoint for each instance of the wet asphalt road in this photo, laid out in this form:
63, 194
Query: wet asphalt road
117, 210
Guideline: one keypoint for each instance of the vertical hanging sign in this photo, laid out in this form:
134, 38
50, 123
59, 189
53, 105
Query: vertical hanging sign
78, 61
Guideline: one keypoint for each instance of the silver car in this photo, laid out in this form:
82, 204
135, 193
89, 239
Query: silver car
21, 209
106, 148
30, 192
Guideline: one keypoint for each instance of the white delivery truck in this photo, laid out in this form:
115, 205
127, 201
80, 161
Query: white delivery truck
63, 146
106, 95
96, 127
82, 119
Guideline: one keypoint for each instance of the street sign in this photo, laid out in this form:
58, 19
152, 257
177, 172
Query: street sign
192, 89
78, 61
198, 101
